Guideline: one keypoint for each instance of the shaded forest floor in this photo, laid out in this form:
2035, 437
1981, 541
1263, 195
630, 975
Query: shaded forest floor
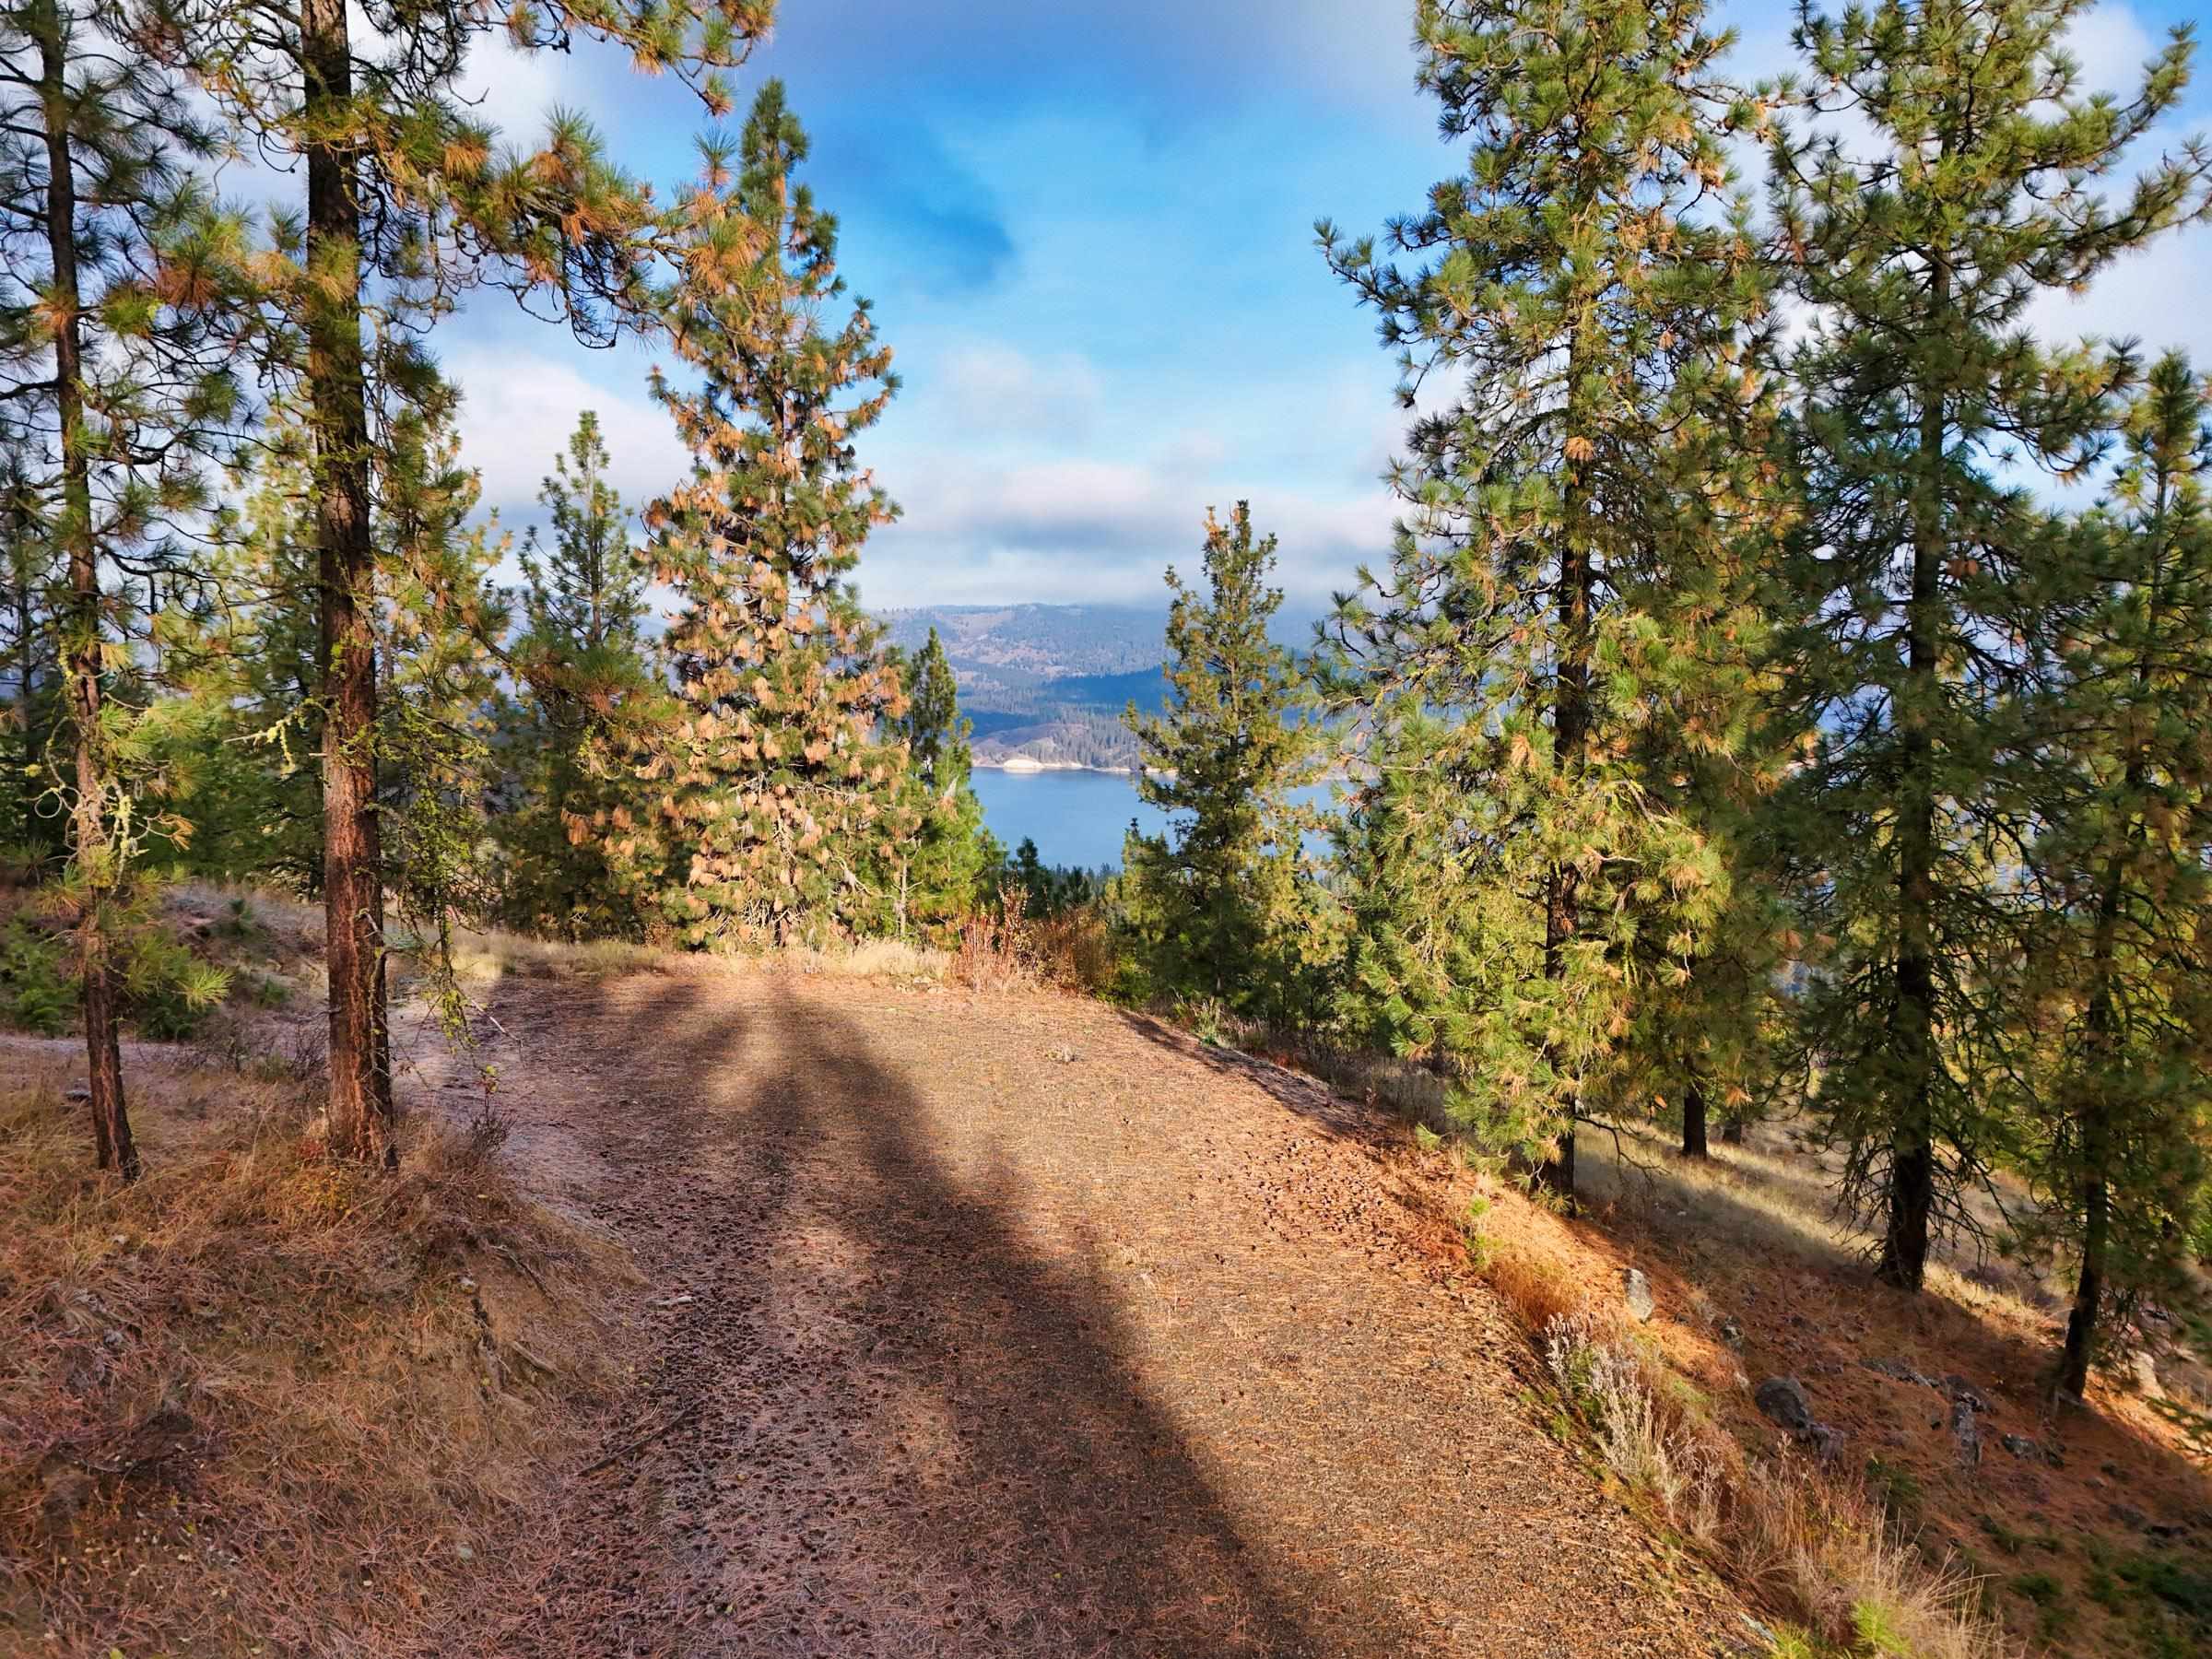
1013, 1325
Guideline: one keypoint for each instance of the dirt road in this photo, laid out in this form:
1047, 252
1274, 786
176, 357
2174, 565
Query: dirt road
984, 1326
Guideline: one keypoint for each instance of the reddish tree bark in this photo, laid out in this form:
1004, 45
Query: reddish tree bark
360, 1100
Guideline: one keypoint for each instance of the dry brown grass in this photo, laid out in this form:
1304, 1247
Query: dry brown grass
262, 1402
1004, 949
481, 957
994, 953
1075, 951
1781, 1195
1806, 1542
1536, 1284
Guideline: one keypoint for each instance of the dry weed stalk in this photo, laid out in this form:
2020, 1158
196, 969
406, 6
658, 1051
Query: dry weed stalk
991, 954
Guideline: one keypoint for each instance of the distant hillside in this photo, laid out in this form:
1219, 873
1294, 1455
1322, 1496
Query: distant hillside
1025, 643
1048, 682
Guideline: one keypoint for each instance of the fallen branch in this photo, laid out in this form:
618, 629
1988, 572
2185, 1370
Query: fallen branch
639, 1444
523, 1267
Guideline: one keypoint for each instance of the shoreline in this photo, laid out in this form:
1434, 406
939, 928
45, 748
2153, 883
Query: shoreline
1022, 766
1022, 763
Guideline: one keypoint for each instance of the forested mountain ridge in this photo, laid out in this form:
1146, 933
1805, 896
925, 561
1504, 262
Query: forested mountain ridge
1021, 644
1045, 682
1048, 682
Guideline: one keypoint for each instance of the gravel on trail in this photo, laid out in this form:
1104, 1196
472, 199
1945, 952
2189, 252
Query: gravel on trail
1014, 1324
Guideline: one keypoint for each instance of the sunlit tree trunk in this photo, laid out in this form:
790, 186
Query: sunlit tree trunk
112, 1144
360, 1100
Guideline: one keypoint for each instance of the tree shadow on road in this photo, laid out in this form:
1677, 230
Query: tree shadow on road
914, 1425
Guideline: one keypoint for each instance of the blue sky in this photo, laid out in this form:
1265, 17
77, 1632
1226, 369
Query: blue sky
1088, 230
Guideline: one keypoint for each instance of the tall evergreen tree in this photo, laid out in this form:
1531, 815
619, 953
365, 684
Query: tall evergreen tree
1918, 250
585, 591
932, 724
407, 199
1216, 905
582, 662
439, 621
774, 798
260, 787
941, 876
1597, 289
115, 336
2115, 983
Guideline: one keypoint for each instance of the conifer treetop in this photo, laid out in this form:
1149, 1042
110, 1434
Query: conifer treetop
780, 774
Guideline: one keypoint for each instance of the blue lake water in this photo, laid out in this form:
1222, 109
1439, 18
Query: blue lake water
1076, 818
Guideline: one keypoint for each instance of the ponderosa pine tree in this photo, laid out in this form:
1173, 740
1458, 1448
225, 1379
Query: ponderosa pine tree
1710, 1042
1918, 250
260, 784
2113, 997
582, 662
115, 330
1413, 962
773, 801
1217, 906
1712, 746
932, 724
440, 619
941, 879
253, 771
1597, 288
407, 199
31, 665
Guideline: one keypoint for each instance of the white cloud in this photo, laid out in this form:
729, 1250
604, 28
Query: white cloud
986, 387
2112, 45
516, 90
1100, 531
518, 409
2154, 297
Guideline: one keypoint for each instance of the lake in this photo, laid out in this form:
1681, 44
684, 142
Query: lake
1076, 818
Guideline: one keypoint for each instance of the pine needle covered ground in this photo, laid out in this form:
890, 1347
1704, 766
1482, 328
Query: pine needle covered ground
1010, 1324
264, 1400
815, 1305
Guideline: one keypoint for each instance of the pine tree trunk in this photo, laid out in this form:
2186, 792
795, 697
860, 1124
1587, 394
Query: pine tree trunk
2088, 1289
1911, 1196
1693, 1122
359, 1099
2092, 1112
1569, 729
1732, 1131
1556, 1174
2094, 1117
113, 1145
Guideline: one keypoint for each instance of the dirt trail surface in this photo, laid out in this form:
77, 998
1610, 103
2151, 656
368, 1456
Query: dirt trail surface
983, 1325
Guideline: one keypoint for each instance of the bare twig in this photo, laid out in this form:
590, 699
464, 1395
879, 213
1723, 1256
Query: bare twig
639, 1444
